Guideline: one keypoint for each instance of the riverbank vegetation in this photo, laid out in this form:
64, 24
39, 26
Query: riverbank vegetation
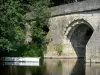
13, 27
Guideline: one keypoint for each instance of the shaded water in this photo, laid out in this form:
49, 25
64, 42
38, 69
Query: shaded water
54, 67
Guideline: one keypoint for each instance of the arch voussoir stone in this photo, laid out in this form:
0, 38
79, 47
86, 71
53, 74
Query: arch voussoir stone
76, 36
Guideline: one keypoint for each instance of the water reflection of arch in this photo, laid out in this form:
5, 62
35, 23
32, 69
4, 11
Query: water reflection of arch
73, 67
79, 68
65, 67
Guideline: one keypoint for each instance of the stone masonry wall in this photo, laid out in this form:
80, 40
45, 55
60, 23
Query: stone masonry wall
60, 27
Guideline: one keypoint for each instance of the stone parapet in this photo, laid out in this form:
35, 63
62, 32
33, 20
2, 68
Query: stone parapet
86, 5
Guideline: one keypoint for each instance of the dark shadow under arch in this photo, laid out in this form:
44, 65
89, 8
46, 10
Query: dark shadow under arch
79, 37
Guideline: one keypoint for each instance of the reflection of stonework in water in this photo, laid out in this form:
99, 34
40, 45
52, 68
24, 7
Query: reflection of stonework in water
92, 69
65, 67
54, 67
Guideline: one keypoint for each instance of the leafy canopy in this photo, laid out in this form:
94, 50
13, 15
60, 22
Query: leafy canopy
12, 25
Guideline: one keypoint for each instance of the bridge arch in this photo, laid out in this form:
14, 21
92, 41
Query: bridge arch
78, 34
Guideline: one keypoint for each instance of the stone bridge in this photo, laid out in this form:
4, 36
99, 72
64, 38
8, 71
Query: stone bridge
75, 31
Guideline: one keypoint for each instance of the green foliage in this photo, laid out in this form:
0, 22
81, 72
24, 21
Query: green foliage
59, 48
28, 50
34, 50
12, 26
5, 44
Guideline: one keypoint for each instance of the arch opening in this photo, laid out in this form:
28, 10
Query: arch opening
79, 38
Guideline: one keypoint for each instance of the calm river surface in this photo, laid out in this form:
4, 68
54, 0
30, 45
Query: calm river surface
54, 67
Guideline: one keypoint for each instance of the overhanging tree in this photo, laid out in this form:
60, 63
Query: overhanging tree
12, 26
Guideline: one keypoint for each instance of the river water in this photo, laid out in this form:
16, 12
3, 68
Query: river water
53, 67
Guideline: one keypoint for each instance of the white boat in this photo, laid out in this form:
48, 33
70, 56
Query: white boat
21, 63
21, 59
